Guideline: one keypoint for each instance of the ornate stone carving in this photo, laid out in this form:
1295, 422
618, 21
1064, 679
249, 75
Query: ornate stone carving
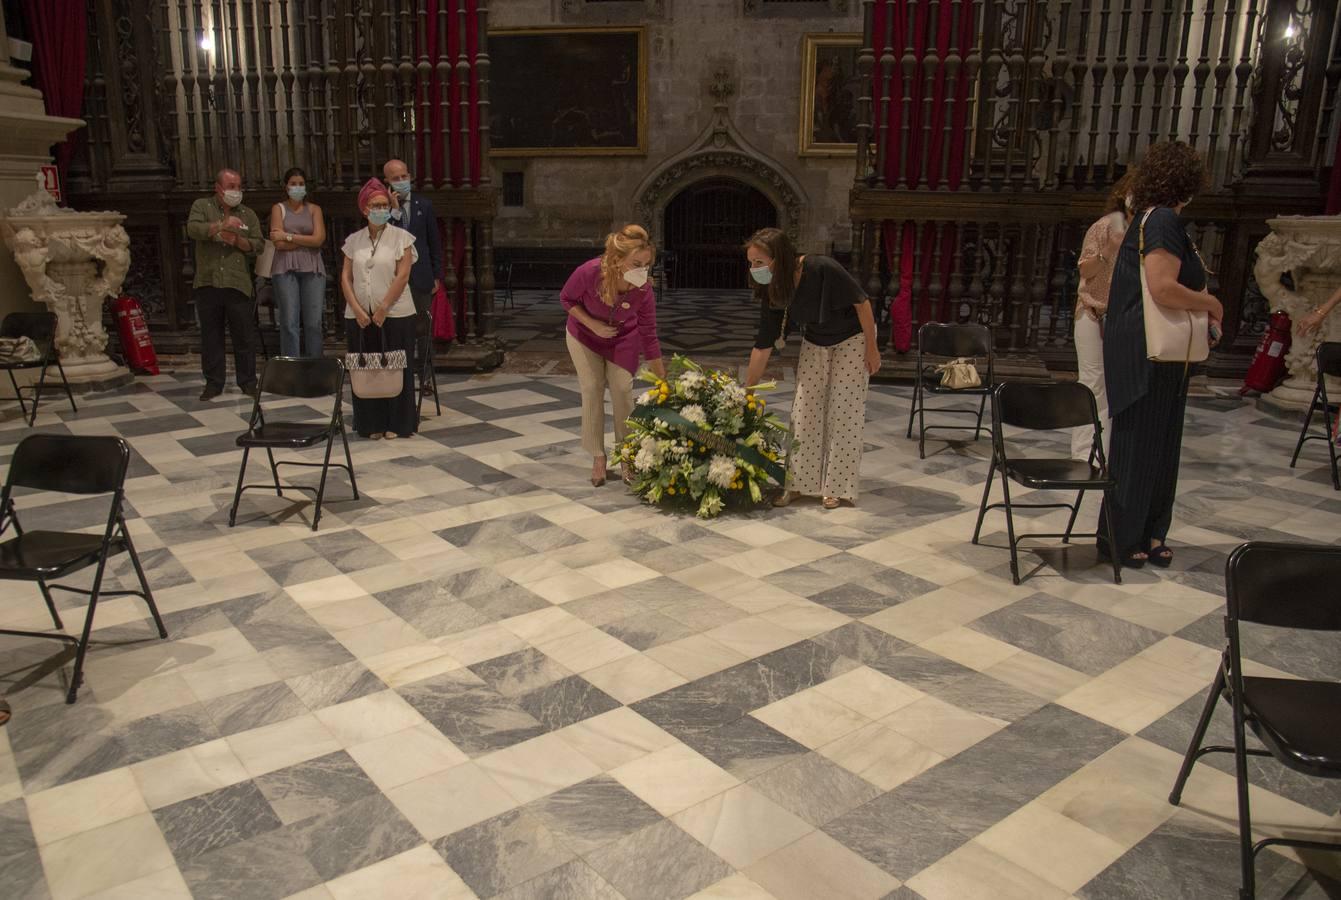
1309, 248
793, 7
72, 261
720, 151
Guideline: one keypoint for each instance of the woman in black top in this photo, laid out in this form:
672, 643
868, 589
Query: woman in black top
838, 356
1147, 399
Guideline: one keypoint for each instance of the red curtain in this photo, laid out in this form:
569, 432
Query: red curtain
440, 142
890, 28
59, 30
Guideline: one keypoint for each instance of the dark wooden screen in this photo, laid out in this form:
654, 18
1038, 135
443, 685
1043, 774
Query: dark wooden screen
1058, 99
179, 89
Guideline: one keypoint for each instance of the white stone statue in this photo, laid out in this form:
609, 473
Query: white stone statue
72, 261
1309, 248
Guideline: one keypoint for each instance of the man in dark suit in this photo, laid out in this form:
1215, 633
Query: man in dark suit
414, 212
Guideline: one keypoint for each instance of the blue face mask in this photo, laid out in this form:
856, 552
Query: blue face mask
762, 275
297, 193
401, 187
379, 216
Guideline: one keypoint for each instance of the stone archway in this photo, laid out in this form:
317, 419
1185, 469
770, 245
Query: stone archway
704, 226
687, 171
720, 151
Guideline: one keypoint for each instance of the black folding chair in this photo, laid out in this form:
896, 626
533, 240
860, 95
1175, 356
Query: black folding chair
263, 294
1329, 363
949, 342
1044, 407
285, 376
428, 376
663, 270
41, 328
503, 282
69, 464
1284, 586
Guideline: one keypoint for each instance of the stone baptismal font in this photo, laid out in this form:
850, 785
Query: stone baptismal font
73, 261
1309, 248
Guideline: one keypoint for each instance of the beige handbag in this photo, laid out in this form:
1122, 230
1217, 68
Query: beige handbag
1171, 335
958, 374
18, 350
375, 376
266, 260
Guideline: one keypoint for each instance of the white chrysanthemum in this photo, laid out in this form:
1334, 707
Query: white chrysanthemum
722, 471
734, 394
694, 413
646, 397
725, 413
648, 456
692, 382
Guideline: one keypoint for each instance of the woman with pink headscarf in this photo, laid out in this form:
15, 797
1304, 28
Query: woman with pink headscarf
379, 311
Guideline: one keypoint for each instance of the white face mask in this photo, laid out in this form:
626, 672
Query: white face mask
232, 198
636, 277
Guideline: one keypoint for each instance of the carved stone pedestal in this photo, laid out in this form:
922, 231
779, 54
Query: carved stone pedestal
72, 261
1309, 248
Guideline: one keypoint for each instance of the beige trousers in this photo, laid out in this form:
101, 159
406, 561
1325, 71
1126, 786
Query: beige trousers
828, 418
1090, 363
594, 374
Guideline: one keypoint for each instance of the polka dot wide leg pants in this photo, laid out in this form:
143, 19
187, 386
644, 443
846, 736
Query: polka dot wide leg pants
828, 418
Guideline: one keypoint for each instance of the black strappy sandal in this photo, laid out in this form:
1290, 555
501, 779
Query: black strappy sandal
1128, 562
1158, 557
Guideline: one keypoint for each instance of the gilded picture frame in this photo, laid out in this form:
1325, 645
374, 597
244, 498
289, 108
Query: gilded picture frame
830, 86
565, 91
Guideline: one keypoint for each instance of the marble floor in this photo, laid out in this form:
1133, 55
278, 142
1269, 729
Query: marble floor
486, 678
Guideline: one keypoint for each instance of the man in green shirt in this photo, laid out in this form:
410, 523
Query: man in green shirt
228, 236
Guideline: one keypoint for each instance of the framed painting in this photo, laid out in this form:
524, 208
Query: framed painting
568, 91
830, 86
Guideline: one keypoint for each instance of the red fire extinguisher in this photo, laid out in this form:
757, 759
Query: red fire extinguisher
1268, 365
134, 331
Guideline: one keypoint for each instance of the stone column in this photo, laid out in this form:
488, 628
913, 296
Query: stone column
1309, 248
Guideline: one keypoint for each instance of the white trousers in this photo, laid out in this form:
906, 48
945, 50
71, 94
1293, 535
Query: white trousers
1090, 357
594, 374
828, 418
